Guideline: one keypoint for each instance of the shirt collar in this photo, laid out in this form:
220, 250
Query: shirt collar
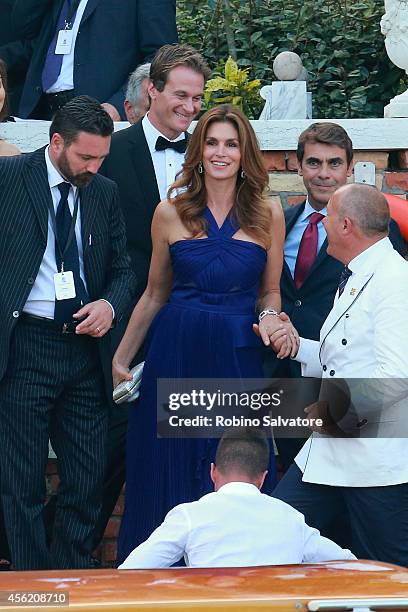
367, 261
54, 177
308, 210
152, 133
239, 487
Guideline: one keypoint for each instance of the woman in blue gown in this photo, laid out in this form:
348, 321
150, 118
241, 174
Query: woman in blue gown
217, 254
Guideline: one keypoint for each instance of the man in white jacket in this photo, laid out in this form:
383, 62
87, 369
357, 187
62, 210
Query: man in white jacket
237, 525
363, 341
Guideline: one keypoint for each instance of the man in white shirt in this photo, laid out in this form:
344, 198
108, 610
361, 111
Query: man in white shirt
364, 340
237, 525
143, 161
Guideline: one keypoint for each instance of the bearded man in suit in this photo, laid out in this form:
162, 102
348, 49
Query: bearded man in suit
65, 280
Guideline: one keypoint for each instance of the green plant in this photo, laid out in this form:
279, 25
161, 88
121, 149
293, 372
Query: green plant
339, 41
234, 88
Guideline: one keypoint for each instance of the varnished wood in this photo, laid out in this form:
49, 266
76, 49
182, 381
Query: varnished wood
288, 587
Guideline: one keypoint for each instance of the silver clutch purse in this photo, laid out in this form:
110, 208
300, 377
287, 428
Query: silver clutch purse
128, 390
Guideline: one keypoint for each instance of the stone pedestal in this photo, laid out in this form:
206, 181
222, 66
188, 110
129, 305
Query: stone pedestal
285, 100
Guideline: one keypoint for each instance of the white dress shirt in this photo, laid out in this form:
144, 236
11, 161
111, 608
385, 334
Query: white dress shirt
65, 81
166, 163
236, 526
41, 300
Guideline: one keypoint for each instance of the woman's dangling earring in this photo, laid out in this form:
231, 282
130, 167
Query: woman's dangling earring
243, 175
200, 168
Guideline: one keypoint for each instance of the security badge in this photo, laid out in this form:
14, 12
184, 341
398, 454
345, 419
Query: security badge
64, 285
64, 42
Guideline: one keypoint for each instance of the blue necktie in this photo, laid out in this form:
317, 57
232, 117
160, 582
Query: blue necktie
53, 62
345, 275
64, 309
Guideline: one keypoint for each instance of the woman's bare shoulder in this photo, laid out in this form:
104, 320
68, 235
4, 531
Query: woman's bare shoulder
166, 211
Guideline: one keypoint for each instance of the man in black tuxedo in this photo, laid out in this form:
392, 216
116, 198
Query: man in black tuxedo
144, 160
65, 279
107, 41
308, 284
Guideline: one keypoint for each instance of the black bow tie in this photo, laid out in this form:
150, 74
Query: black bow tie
179, 145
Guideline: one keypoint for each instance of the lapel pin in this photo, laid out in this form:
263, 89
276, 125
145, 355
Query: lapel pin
353, 291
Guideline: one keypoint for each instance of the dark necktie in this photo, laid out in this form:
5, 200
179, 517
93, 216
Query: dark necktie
179, 145
307, 249
345, 275
64, 309
53, 62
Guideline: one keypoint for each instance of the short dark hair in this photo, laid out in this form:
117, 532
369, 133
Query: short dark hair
4, 112
171, 56
244, 450
325, 133
81, 114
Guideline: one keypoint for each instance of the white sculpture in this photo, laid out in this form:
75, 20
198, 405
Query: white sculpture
394, 26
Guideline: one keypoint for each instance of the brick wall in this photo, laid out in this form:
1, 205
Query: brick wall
288, 188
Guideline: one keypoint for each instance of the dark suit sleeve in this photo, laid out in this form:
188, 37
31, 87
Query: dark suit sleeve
27, 16
156, 27
120, 287
16, 55
396, 238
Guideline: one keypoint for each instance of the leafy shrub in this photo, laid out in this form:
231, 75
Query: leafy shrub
339, 42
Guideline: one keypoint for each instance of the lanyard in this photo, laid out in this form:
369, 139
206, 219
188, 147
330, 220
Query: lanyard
71, 229
71, 12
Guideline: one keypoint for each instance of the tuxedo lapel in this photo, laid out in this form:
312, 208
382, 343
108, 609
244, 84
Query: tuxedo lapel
36, 180
352, 292
142, 167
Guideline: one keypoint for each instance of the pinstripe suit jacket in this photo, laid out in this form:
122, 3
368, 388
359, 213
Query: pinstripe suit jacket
24, 204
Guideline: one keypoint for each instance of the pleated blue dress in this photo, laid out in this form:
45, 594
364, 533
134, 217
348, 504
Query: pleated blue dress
204, 331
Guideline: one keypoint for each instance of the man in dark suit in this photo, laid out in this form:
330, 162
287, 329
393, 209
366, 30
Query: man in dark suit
144, 160
310, 276
65, 279
105, 41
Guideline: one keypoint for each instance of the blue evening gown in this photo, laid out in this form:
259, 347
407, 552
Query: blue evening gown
204, 331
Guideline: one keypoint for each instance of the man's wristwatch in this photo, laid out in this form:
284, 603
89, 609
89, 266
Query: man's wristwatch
266, 312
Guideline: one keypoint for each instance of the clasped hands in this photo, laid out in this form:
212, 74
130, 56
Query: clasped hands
278, 333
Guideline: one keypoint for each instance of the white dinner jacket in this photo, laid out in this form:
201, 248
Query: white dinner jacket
365, 336
234, 527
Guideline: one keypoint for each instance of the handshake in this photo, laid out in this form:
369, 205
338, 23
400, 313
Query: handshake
277, 331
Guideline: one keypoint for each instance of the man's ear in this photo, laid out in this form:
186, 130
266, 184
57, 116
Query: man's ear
152, 91
299, 167
350, 168
57, 143
213, 472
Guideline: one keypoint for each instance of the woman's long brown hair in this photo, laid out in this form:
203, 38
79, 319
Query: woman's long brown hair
189, 195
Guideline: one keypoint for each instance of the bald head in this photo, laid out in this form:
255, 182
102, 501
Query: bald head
366, 207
